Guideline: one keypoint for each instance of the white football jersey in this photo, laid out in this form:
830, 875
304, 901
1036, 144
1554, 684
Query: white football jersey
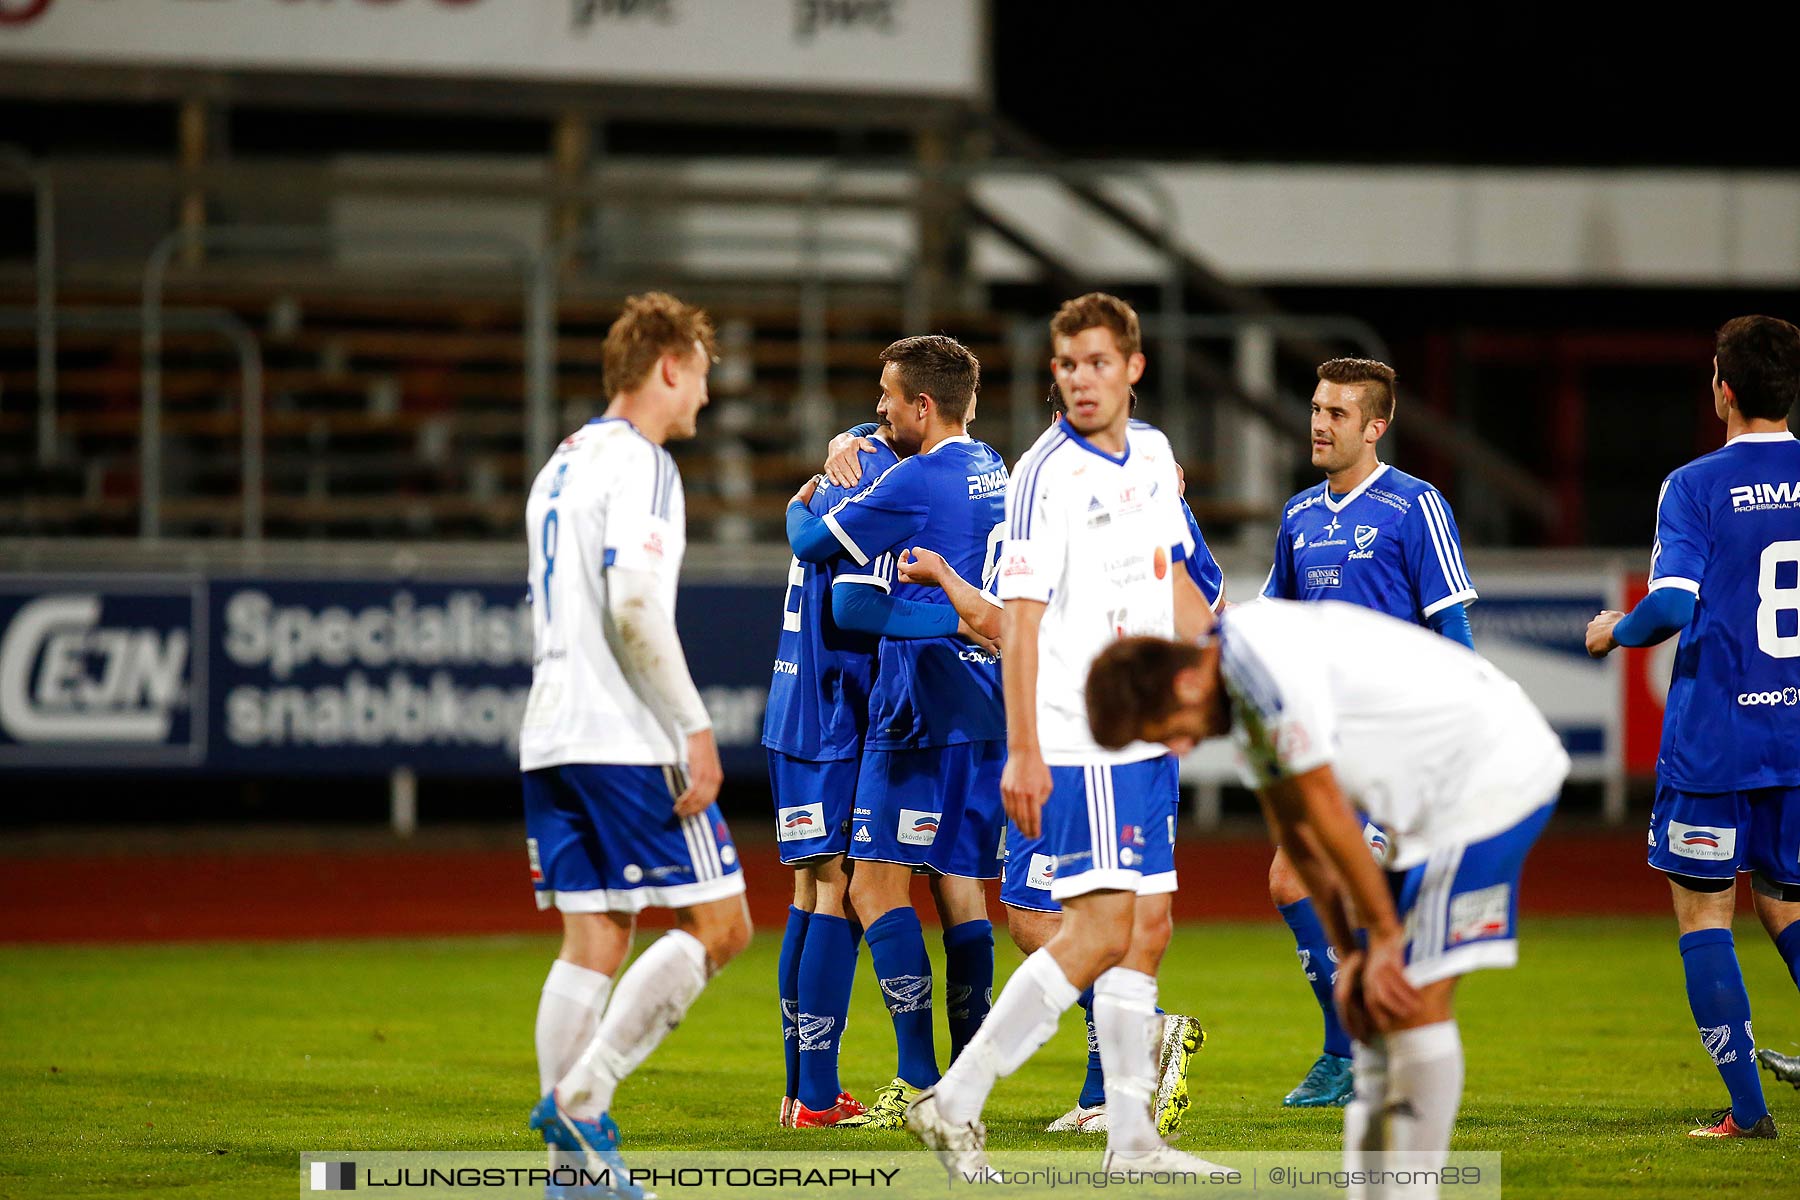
608, 497
1096, 538
1423, 734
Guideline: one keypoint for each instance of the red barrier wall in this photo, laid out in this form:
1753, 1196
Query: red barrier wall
402, 893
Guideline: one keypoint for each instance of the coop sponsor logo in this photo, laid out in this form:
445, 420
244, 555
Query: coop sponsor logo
1786, 696
99, 667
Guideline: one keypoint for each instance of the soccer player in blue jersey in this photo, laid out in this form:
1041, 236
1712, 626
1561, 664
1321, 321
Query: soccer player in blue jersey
1371, 535
813, 728
928, 793
1725, 573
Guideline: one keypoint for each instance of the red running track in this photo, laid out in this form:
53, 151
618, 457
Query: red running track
411, 893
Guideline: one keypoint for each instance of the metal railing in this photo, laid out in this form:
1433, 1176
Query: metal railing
43, 189
539, 323
250, 392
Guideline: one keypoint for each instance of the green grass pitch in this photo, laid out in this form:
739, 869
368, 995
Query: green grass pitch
204, 1071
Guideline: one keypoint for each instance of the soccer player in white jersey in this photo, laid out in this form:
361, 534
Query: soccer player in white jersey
619, 763
1095, 537
1725, 574
1334, 706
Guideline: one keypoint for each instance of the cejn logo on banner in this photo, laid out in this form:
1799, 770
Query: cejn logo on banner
82, 669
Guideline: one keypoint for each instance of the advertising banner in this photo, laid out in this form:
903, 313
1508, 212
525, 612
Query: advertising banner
907, 47
283, 676
1533, 627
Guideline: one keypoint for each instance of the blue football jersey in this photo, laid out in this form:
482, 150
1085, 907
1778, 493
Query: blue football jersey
819, 696
930, 691
1728, 530
1202, 567
1390, 545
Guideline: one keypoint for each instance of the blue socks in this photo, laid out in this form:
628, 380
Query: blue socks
968, 980
897, 946
827, 968
787, 983
1321, 970
1721, 1008
1787, 944
1093, 1088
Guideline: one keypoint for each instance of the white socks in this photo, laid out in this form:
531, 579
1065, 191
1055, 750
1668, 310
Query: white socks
1408, 1088
568, 1013
1363, 1133
1129, 1029
649, 1000
1424, 1088
1022, 1019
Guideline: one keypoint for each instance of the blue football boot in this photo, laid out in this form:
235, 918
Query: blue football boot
595, 1144
1330, 1084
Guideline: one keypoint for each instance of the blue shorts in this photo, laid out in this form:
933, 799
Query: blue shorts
1461, 905
1714, 835
812, 805
1026, 873
1111, 828
606, 839
936, 809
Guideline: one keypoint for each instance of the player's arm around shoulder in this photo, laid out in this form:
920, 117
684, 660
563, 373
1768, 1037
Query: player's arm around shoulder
1025, 780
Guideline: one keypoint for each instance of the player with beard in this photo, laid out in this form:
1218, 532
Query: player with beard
1373, 535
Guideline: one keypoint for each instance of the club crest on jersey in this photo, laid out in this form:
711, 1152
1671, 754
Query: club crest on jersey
1703, 842
918, 828
1365, 536
801, 821
906, 993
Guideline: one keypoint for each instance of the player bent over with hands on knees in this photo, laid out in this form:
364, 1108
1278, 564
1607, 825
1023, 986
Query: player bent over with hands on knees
1725, 573
1333, 705
619, 766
